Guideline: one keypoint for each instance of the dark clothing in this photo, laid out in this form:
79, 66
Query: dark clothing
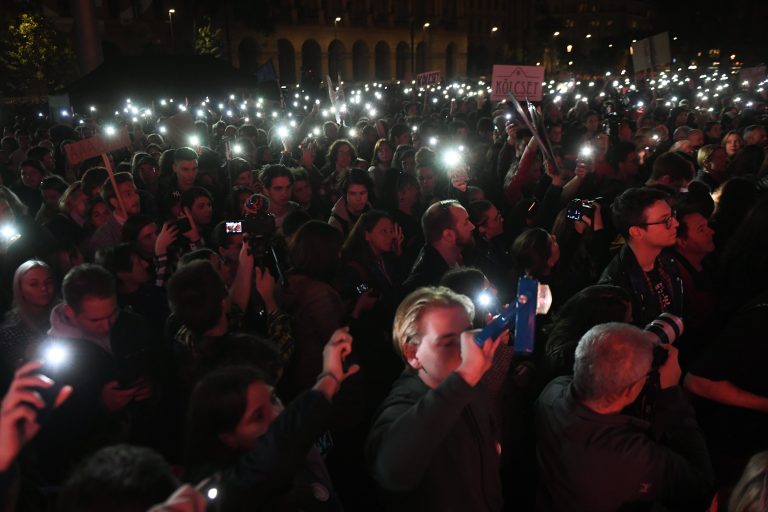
427, 271
283, 472
702, 323
66, 230
31, 197
647, 303
613, 462
317, 311
436, 449
495, 261
82, 424
738, 356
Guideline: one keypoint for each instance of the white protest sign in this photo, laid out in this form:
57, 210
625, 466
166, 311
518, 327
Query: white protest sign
523, 82
428, 78
83, 150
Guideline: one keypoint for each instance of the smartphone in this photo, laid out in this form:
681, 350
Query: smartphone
182, 225
234, 227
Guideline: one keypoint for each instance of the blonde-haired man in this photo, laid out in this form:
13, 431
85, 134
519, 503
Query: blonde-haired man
433, 445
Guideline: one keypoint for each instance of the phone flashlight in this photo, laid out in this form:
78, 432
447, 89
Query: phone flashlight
282, 132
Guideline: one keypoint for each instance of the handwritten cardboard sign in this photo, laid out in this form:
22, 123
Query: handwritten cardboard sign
428, 78
97, 145
523, 82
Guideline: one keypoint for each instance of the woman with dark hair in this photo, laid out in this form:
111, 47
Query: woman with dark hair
97, 212
535, 254
584, 247
356, 187
371, 287
404, 159
591, 306
369, 253
256, 451
311, 300
341, 156
199, 202
26, 325
380, 164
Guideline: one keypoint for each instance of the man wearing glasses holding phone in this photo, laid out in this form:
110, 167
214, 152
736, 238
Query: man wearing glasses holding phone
644, 266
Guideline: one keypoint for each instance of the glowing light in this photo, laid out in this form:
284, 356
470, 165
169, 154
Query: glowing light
56, 355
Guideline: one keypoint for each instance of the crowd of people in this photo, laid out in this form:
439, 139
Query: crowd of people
280, 312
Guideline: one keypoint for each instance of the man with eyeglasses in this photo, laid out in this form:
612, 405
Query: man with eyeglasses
593, 458
645, 266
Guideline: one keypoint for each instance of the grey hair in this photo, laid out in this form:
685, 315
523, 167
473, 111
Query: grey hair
609, 358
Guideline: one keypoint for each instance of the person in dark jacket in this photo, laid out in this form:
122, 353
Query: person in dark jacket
434, 445
262, 457
447, 230
594, 458
643, 266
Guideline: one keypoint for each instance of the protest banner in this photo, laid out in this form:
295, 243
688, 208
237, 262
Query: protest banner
524, 82
428, 78
100, 145
86, 149
651, 54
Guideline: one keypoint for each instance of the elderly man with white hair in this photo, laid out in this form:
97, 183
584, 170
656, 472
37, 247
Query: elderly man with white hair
593, 458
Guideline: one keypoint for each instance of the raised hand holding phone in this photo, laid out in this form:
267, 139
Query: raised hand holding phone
19, 410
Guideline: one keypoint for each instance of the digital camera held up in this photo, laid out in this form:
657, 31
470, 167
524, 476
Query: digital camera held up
579, 208
667, 328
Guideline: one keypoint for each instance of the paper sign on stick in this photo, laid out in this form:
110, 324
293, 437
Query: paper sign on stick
524, 82
97, 145
428, 78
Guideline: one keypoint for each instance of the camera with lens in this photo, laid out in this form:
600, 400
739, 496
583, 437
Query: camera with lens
578, 208
259, 227
667, 328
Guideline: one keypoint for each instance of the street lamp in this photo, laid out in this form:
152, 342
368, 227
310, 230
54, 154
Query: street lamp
335, 38
556, 34
426, 46
171, 12
494, 29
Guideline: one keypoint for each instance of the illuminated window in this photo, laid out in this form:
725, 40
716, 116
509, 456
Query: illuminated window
714, 53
